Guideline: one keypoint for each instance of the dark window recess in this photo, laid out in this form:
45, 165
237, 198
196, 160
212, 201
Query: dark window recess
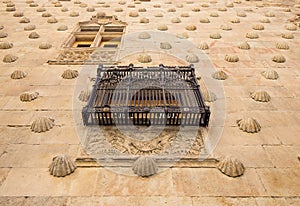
110, 46
113, 29
83, 45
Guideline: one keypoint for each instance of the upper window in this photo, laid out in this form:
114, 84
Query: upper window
97, 34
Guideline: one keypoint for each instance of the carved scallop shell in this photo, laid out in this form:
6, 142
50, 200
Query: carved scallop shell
162, 27
61, 166
231, 167
192, 58
206, 5
144, 35
226, 27
122, 2
64, 9
131, 6
52, 20
237, 1
156, 5
159, 15
144, 20
249, 125
222, 9
291, 27
258, 27
229, 4
214, 14
46, 14
118, 10
45, 45
133, 14
171, 10
235, 20
215, 36
269, 14
10, 4
6, 45
84, 95
244, 45
142, 10
70, 74
204, 20
209, 96
191, 27
241, 14
84, 5
165, 45
179, 5
185, 15
282, 45
220, 75
90, 9
29, 27
28, 97
252, 35
42, 124
265, 20
40, 9
33, 35
189, 2
278, 59
203, 46
58, 4
24, 20
183, 35
62, 28
33, 5
175, 20
270, 74
287, 35
3, 34
18, 74
10, 9
196, 9
260, 96
9, 58
100, 14
231, 58
18, 14
144, 58
74, 14
145, 166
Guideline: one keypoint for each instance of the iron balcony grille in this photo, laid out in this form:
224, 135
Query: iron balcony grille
142, 96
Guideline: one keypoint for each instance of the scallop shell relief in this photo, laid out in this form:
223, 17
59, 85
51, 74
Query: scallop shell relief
145, 166
144, 58
220, 75
18, 74
192, 58
231, 167
261, 96
70, 74
28, 97
84, 95
270, 74
42, 124
249, 125
61, 166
